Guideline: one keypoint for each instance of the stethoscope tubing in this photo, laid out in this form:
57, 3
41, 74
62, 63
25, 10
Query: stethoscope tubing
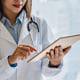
30, 22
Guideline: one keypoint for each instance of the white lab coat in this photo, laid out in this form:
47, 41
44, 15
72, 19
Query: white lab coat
25, 71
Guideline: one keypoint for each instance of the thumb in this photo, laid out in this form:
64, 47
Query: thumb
66, 50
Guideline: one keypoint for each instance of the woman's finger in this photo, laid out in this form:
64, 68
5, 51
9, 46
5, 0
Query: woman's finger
48, 55
28, 47
60, 51
66, 50
22, 52
52, 53
24, 49
56, 54
21, 55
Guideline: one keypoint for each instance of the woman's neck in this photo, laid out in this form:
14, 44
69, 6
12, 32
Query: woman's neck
11, 16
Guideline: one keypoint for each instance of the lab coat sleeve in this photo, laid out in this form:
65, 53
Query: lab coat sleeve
47, 72
5, 70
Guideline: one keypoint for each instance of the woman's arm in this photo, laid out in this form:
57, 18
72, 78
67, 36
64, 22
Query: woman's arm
6, 70
48, 72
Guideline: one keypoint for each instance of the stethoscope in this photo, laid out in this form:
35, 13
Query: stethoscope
29, 28
30, 22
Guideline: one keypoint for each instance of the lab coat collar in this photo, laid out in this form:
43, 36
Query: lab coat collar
4, 33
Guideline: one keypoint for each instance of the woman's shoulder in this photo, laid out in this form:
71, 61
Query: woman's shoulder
38, 19
41, 22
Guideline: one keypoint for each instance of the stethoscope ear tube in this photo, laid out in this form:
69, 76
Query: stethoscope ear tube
30, 22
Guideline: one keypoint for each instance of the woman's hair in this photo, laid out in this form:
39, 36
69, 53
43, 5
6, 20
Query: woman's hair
27, 7
1, 9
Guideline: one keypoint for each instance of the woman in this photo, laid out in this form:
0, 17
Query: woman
16, 44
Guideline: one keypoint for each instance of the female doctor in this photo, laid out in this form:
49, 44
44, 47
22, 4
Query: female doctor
17, 42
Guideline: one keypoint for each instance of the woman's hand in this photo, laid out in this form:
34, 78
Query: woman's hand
56, 55
21, 53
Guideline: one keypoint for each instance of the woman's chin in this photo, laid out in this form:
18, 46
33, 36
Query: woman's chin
16, 11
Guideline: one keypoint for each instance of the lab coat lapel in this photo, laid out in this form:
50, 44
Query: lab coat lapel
34, 35
24, 32
4, 33
30, 36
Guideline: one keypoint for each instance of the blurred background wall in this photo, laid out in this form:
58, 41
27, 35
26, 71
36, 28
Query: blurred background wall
63, 18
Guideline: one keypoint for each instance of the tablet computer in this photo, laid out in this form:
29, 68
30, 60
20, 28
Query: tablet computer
63, 41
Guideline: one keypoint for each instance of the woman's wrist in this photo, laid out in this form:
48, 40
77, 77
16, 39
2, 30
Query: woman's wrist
12, 59
52, 65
